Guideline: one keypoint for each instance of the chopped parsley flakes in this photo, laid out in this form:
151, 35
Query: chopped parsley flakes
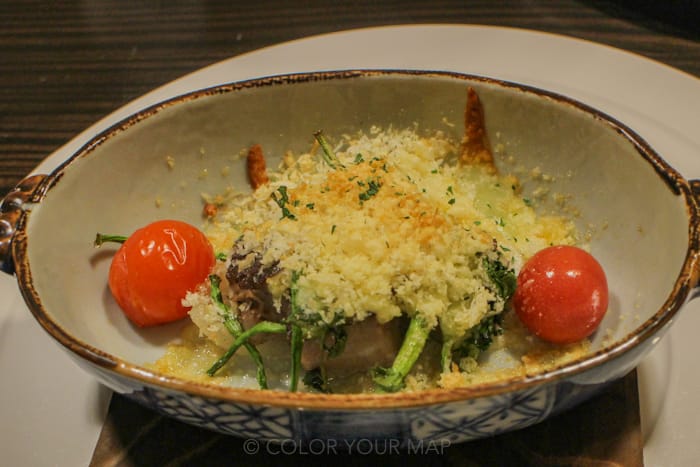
282, 200
372, 189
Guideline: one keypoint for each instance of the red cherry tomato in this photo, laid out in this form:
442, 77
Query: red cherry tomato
561, 294
154, 269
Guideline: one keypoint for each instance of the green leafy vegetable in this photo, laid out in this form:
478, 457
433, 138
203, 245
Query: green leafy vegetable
316, 379
338, 336
478, 339
313, 326
503, 279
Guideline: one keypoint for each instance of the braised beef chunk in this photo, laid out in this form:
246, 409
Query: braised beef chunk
249, 315
368, 344
247, 277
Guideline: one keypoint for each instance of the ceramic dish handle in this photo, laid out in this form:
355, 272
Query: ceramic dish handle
695, 187
695, 278
11, 211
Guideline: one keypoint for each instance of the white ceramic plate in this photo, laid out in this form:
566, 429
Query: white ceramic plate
56, 410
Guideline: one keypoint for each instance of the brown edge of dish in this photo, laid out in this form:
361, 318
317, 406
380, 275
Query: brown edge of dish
687, 279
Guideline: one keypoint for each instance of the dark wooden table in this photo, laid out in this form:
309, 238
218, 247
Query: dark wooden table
64, 65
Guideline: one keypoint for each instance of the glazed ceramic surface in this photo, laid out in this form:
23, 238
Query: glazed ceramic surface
639, 213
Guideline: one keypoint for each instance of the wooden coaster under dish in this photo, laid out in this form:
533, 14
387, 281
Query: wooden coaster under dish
602, 431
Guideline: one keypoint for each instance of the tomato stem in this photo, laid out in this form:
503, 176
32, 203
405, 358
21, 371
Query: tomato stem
104, 238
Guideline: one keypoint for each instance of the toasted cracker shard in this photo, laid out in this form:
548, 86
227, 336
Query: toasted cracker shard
476, 149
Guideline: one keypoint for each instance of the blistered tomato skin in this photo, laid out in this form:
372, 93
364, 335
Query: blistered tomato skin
561, 294
155, 268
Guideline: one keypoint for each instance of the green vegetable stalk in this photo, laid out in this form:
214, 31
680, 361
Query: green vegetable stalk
328, 154
446, 355
235, 328
242, 339
297, 337
392, 379
332, 338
